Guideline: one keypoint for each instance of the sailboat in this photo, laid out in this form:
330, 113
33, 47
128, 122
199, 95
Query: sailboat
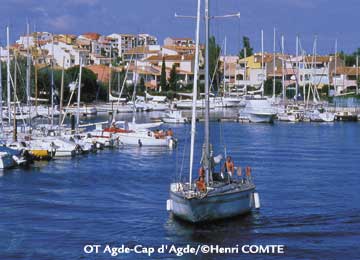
215, 196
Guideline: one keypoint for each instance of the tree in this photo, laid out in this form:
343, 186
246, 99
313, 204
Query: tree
173, 78
141, 88
163, 84
349, 59
268, 87
246, 45
214, 53
89, 82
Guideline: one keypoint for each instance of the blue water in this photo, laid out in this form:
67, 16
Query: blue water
307, 176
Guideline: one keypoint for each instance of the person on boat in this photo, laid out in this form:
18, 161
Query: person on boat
200, 184
248, 173
229, 166
169, 132
201, 171
156, 133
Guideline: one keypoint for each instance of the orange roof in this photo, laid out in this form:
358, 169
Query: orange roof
145, 70
321, 59
92, 36
140, 49
352, 71
181, 39
102, 72
158, 58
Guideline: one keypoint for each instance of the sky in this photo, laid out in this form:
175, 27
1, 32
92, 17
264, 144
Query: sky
328, 19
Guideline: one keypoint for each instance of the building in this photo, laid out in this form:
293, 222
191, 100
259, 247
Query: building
345, 79
141, 53
184, 42
70, 54
126, 42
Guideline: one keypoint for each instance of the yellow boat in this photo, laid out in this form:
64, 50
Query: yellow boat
41, 154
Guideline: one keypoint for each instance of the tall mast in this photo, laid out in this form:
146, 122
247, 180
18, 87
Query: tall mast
274, 62
15, 87
224, 78
1, 100
135, 77
52, 82
206, 155
110, 74
61, 92
297, 67
196, 70
36, 73
8, 74
28, 70
357, 74
262, 63
283, 68
245, 70
78, 98
334, 77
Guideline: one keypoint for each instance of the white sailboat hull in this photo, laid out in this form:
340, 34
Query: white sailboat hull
6, 160
135, 139
261, 118
169, 120
210, 208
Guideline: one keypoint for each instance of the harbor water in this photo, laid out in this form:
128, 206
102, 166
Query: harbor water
307, 175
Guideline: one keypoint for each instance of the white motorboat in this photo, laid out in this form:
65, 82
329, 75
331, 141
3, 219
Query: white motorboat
291, 113
321, 116
83, 110
187, 104
137, 126
258, 111
103, 138
142, 137
63, 148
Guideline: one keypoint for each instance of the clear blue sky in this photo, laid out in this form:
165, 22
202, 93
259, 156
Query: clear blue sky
329, 19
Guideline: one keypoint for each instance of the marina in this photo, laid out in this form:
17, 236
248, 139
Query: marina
72, 198
210, 142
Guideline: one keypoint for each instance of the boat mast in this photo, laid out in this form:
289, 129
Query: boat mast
1, 100
357, 74
15, 88
110, 75
196, 70
334, 77
262, 63
52, 81
61, 92
78, 98
36, 73
206, 154
297, 67
224, 78
8, 74
28, 72
283, 68
274, 63
135, 76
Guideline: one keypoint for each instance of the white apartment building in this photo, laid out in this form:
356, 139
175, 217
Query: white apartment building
72, 54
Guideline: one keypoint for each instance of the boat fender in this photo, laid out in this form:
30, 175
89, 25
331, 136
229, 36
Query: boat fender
256, 199
169, 205
171, 143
